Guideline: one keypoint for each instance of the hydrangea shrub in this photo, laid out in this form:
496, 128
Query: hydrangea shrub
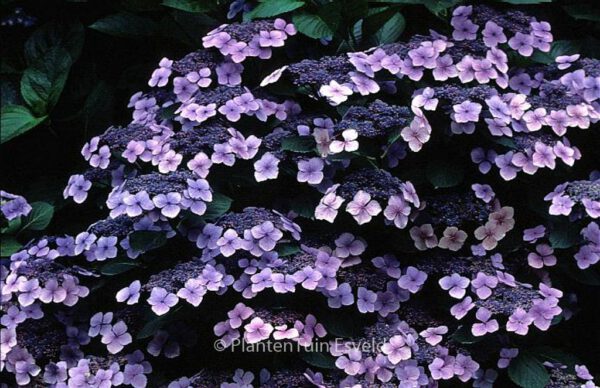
367, 197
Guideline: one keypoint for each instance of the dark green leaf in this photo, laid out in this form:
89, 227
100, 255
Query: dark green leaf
17, 120
13, 226
443, 174
43, 82
463, 335
318, 360
8, 246
559, 47
583, 12
527, 371
155, 323
525, 1
298, 144
126, 25
548, 353
439, 7
69, 36
146, 240
269, 8
341, 324
219, 206
118, 266
391, 30
194, 6
287, 249
318, 26
563, 236
39, 217
352, 10
589, 276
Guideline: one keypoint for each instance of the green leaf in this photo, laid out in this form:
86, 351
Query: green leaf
444, 174
548, 353
194, 6
318, 26
146, 240
463, 335
219, 206
528, 372
155, 323
563, 236
13, 226
301, 144
8, 245
391, 30
525, 1
287, 249
587, 276
583, 12
439, 7
118, 266
17, 120
559, 47
318, 360
39, 217
43, 82
68, 35
341, 324
126, 25
269, 8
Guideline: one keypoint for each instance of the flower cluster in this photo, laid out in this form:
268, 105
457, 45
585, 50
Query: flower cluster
241, 210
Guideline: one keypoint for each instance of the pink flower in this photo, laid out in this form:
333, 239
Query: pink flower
486, 325
433, 335
453, 239
349, 144
423, 237
257, 330
396, 349
542, 257
335, 92
456, 284
363, 208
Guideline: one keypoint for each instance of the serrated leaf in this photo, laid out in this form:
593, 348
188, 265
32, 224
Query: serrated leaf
194, 6
298, 144
318, 360
126, 25
313, 26
69, 35
17, 120
39, 217
528, 372
442, 174
146, 240
43, 82
219, 206
8, 245
118, 266
269, 8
